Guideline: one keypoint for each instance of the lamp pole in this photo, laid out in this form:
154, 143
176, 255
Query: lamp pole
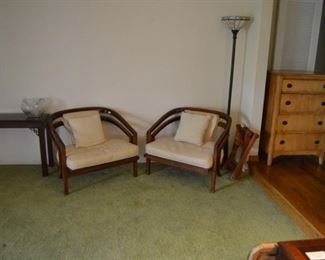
234, 23
234, 38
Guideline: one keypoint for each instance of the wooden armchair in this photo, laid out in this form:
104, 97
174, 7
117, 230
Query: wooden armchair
80, 158
203, 158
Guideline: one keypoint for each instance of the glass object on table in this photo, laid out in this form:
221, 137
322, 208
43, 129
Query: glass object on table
33, 107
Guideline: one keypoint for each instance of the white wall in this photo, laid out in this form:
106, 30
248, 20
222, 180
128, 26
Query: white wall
255, 69
141, 58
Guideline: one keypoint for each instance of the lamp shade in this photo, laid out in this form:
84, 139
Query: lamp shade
235, 23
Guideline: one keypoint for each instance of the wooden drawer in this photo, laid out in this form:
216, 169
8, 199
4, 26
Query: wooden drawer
298, 103
303, 86
301, 123
294, 122
299, 142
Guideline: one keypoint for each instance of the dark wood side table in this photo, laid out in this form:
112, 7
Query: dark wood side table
295, 250
39, 126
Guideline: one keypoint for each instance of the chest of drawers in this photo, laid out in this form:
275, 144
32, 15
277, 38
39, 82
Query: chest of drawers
294, 115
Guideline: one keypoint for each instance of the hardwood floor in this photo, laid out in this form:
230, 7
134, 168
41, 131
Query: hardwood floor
297, 184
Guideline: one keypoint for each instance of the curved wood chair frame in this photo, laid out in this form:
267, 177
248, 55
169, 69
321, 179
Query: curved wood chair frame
106, 114
173, 116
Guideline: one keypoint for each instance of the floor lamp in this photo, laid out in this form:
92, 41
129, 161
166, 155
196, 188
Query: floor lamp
234, 23
245, 138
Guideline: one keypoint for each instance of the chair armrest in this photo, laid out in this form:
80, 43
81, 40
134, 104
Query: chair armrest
58, 141
162, 122
116, 119
222, 141
167, 119
106, 114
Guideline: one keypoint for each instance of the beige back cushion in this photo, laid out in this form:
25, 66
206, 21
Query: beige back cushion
192, 128
66, 117
86, 128
213, 122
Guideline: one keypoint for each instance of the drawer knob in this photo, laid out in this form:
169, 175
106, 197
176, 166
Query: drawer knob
282, 142
289, 85
317, 141
323, 86
285, 122
323, 103
289, 102
320, 122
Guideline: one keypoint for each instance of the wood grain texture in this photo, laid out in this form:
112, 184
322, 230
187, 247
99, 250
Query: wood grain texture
303, 86
302, 103
295, 250
298, 123
297, 184
294, 113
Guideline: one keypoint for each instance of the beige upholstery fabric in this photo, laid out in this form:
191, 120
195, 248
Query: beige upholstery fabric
66, 117
213, 122
168, 148
264, 251
87, 130
109, 151
192, 128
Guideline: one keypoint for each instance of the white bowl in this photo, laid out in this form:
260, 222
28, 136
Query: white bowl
33, 107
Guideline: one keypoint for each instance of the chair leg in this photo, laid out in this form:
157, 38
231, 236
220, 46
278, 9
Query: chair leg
148, 166
135, 168
231, 157
65, 181
218, 163
61, 170
218, 172
225, 152
213, 181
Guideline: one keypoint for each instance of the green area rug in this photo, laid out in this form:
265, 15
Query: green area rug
112, 215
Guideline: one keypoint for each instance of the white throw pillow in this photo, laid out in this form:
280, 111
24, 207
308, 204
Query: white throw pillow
213, 122
192, 128
66, 117
87, 130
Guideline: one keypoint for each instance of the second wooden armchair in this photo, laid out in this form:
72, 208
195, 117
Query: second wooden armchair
198, 157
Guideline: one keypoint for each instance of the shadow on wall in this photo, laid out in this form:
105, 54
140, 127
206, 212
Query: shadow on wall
54, 104
141, 126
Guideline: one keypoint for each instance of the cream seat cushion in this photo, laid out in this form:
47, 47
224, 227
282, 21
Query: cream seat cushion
168, 148
111, 150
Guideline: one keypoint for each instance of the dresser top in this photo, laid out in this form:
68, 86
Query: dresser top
298, 74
